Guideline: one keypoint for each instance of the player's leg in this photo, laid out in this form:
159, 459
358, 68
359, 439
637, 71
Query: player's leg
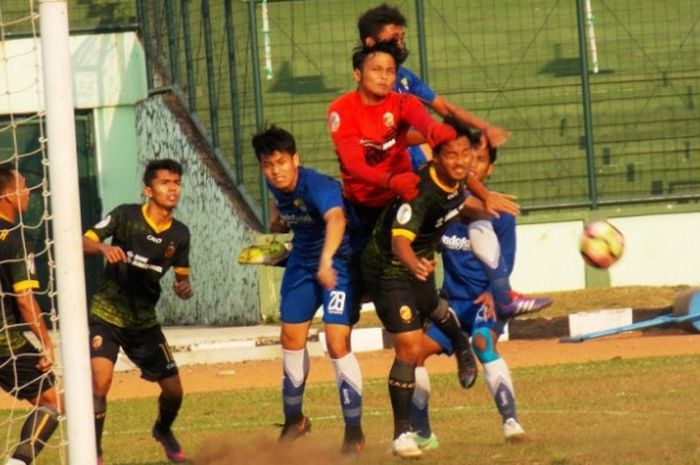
396, 307
300, 299
497, 377
37, 387
445, 319
104, 348
420, 418
485, 245
341, 311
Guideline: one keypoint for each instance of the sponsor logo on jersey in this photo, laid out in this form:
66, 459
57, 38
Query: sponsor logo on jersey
170, 251
292, 219
456, 243
103, 224
405, 313
96, 342
139, 261
388, 119
404, 213
334, 121
450, 214
155, 239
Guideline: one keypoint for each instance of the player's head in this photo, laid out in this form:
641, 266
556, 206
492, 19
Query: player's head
374, 68
484, 157
161, 181
382, 23
276, 151
452, 160
14, 195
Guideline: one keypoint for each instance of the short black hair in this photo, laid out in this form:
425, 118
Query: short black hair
273, 139
462, 130
7, 176
372, 21
361, 53
167, 164
493, 151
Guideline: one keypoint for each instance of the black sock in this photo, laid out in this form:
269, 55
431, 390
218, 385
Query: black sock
37, 429
100, 406
402, 382
448, 323
167, 412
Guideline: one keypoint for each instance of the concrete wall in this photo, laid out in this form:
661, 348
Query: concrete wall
225, 292
661, 249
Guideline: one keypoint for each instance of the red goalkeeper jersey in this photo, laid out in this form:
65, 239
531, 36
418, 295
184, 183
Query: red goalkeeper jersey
370, 141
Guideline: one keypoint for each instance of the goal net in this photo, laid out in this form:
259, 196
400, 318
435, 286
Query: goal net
30, 120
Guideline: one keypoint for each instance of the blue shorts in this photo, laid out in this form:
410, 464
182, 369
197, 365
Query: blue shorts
471, 316
302, 294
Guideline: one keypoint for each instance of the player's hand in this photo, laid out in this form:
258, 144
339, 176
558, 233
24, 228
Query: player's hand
424, 268
504, 203
405, 185
183, 288
486, 302
327, 275
440, 133
113, 254
46, 360
497, 136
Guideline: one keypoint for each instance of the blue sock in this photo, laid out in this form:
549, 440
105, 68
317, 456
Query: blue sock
420, 420
349, 381
296, 369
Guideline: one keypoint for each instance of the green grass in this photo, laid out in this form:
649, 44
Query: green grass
642, 411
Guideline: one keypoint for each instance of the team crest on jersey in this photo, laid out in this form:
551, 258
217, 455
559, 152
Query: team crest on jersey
334, 121
299, 203
96, 342
3, 234
169, 251
404, 213
31, 266
405, 313
388, 119
104, 222
404, 83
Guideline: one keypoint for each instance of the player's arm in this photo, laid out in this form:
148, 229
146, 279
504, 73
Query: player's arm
31, 314
415, 114
335, 230
277, 224
93, 246
182, 286
496, 136
492, 202
401, 247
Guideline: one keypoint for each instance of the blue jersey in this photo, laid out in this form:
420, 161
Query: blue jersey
407, 82
465, 278
303, 210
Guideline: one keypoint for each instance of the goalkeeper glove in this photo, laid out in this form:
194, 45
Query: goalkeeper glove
440, 133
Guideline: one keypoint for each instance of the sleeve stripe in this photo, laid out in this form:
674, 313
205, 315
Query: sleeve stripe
90, 234
181, 270
24, 285
410, 235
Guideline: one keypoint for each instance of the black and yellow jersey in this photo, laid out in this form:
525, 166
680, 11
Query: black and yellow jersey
128, 294
422, 220
17, 274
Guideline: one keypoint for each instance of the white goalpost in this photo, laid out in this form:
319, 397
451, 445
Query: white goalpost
65, 201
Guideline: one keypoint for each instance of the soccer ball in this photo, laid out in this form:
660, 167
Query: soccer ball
602, 244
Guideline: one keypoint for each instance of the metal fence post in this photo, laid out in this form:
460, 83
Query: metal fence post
211, 77
189, 68
172, 39
257, 92
233, 89
586, 93
143, 24
422, 49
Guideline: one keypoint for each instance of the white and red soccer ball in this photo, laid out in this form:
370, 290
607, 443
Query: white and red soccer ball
602, 244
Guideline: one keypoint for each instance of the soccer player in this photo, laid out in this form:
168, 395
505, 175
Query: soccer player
386, 23
25, 371
369, 126
146, 242
318, 272
467, 286
397, 267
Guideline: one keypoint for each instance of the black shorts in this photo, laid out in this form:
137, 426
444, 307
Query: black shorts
403, 304
20, 377
147, 348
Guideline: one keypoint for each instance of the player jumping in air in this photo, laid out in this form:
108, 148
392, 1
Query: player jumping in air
467, 287
25, 371
397, 267
146, 242
318, 272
